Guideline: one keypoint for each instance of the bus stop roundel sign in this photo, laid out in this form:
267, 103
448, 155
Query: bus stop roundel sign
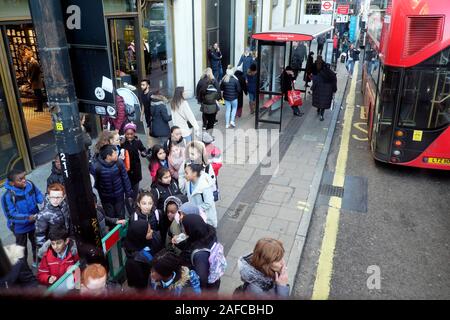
327, 5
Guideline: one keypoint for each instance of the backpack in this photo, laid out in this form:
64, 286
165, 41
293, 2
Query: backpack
217, 261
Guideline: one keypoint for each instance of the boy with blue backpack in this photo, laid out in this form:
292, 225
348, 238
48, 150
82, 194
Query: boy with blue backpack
20, 206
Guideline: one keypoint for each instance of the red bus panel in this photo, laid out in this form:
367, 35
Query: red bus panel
413, 31
438, 151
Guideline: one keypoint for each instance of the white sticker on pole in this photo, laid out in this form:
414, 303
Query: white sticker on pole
107, 84
100, 93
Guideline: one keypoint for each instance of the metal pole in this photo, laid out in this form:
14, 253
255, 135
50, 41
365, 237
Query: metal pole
258, 84
49, 25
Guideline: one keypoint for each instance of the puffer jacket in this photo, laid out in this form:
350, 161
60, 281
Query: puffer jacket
52, 216
111, 180
160, 117
230, 89
19, 204
255, 282
186, 283
56, 176
51, 265
201, 194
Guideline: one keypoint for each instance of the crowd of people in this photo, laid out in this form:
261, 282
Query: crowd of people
171, 243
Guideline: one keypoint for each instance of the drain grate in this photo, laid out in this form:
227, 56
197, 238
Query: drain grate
331, 191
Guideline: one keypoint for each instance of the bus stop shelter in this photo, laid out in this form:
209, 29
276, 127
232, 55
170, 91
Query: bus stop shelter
274, 55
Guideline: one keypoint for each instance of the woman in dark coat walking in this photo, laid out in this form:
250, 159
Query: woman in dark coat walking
206, 81
324, 87
160, 129
241, 77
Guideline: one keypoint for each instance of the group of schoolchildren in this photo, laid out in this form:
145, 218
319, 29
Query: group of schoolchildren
172, 226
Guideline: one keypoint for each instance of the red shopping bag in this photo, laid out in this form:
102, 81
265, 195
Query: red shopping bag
295, 98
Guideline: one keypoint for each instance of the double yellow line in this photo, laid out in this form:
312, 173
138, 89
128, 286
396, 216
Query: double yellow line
324, 272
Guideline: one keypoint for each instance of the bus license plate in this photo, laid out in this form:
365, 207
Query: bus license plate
439, 161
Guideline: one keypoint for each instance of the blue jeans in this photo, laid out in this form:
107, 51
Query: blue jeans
350, 65
230, 113
218, 74
251, 96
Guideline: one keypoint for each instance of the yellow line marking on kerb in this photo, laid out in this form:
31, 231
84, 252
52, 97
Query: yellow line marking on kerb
324, 272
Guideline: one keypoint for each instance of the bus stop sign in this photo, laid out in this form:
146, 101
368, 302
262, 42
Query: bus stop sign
90, 60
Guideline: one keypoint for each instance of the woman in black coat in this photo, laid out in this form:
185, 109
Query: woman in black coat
205, 81
200, 236
324, 87
160, 128
240, 75
141, 245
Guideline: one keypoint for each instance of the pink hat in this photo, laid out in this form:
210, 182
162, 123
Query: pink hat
129, 126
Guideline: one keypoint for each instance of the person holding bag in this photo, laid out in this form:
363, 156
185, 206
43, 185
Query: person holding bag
182, 115
287, 85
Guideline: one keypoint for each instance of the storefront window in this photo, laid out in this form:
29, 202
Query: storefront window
123, 50
24, 58
9, 154
119, 6
312, 7
157, 36
254, 20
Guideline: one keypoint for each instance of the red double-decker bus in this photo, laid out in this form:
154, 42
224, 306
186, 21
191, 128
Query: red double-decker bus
406, 82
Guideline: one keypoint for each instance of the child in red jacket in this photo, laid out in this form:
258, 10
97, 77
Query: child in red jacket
60, 256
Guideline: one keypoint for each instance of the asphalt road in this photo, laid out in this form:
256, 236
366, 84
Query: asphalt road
401, 228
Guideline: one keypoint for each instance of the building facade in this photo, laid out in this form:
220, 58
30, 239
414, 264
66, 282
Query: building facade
165, 41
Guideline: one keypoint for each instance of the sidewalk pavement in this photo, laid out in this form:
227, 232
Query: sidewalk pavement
251, 205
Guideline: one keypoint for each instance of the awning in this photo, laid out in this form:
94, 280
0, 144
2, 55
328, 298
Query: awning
298, 32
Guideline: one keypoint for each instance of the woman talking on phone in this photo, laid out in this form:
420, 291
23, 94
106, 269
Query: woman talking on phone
264, 271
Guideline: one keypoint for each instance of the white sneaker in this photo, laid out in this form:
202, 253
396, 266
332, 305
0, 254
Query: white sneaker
233, 124
227, 127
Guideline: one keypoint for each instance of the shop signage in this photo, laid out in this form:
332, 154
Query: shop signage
89, 55
343, 9
341, 18
281, 36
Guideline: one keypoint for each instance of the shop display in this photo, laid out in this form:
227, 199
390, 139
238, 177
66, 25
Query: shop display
22, 41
